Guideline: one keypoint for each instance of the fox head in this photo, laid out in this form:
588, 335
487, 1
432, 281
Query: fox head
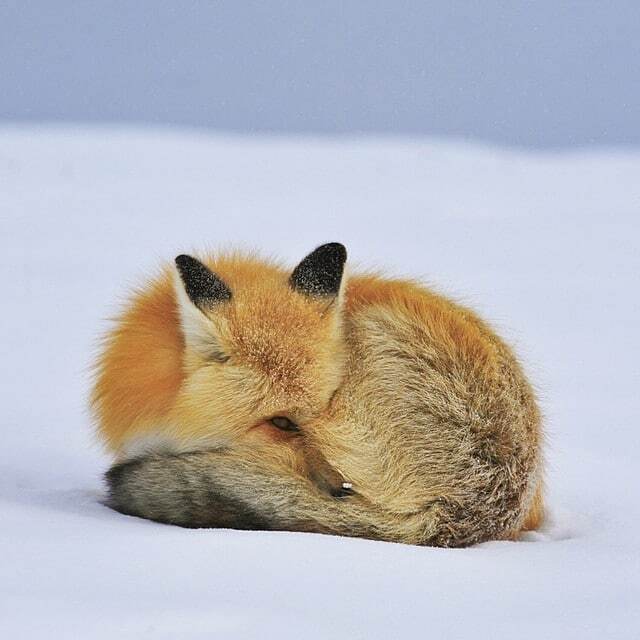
231, 351
261, 345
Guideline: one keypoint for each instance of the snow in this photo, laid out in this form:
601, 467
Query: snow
544, 245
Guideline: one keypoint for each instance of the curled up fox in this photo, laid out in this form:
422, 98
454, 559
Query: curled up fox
236, 393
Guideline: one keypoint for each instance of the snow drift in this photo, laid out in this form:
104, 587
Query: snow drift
543, 245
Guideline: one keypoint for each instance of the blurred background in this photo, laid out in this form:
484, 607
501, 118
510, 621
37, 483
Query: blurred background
548, 74
490, 148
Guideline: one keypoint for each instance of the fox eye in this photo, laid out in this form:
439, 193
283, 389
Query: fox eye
284, 423
218, 356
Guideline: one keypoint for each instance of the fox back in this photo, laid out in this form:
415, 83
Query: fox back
234, 392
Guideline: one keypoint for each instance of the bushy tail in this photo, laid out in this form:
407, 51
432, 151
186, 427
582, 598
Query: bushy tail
224, 489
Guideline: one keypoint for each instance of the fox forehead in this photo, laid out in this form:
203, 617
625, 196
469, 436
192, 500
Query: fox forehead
287, 339
265, 315
291, 340
247, 270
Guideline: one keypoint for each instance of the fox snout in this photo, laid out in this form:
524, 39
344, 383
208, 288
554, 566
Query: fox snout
310, 461
326, 478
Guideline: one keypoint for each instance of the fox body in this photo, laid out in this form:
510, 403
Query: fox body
236, 393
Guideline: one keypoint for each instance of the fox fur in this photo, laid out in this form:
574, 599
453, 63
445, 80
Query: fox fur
410, 420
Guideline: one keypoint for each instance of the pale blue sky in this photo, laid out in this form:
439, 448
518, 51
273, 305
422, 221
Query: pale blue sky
541, 74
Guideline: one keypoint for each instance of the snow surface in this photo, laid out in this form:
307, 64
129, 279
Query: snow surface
545, 246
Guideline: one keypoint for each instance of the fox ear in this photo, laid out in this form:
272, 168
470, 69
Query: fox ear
202, 286
320, 273
199, 290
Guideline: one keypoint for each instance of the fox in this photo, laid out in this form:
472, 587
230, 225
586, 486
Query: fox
235, 393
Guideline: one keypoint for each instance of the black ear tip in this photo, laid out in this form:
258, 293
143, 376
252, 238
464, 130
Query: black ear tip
320, 273
334, 249
203, 287
184, 260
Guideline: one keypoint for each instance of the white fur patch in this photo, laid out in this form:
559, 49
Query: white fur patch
144, 445
195, 327
163, 443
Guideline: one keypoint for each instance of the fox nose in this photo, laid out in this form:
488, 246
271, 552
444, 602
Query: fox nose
345, 490
327, 478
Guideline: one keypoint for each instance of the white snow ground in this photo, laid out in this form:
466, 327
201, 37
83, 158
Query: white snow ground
546, 246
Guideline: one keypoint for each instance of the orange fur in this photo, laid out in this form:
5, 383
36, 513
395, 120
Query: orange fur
274, 333
140, 370
535, 516
408, 394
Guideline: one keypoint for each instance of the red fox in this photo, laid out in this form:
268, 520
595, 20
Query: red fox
236, 393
